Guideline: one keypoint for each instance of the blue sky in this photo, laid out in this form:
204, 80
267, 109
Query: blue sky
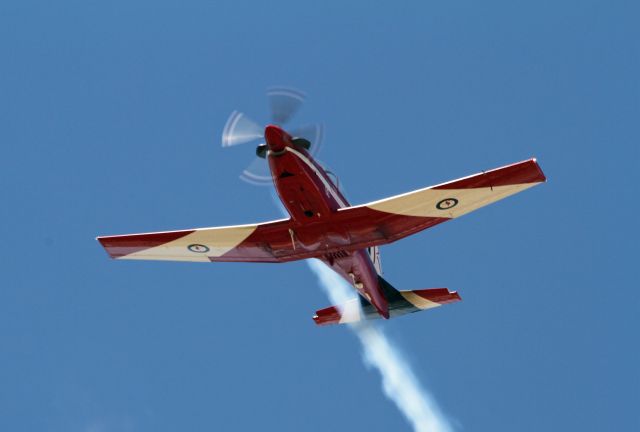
110, 122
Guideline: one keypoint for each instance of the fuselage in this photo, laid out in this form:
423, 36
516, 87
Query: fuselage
312, 199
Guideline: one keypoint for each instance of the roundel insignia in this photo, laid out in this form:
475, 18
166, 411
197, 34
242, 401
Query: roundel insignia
198, 248
447, 203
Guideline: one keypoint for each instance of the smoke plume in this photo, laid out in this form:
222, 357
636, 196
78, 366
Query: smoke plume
399, 383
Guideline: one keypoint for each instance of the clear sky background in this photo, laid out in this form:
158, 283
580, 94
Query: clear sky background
110, 122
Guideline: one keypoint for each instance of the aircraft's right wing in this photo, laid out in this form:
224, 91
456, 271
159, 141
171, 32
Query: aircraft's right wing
390, 219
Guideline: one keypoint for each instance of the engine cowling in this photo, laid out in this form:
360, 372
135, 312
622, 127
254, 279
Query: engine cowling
277, 138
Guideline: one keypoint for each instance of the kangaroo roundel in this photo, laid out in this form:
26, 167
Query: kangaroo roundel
198, 248
447, 203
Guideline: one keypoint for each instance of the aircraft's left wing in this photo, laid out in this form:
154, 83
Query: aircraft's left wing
390, 219
241, 243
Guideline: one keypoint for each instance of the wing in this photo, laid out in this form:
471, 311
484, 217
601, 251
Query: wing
393, 218
350, 228
242, 243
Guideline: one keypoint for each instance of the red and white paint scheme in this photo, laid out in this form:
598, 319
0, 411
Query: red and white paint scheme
323, 225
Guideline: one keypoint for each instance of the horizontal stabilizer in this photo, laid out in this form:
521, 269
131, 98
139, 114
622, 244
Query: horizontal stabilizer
400, 303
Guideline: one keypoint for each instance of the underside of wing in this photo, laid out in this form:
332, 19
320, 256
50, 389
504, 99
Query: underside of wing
241, 243
393, 218
458, 197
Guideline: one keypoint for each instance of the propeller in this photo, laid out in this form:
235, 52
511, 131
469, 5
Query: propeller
284, 103
240, 129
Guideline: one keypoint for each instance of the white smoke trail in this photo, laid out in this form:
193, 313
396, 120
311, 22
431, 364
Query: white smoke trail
399, 382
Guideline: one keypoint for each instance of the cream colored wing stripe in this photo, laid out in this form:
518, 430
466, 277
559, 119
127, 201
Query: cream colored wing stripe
197, 246
425, 202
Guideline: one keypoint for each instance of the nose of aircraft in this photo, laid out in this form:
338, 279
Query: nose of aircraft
276, 138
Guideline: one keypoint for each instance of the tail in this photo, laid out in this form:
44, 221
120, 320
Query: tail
400, 303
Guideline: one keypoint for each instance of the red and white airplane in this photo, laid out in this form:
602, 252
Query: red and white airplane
323, 225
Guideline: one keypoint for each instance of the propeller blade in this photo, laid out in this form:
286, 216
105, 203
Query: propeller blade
257, 173
313, 133
284, 103
240, 129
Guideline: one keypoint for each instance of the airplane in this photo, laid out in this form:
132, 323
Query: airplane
322, 224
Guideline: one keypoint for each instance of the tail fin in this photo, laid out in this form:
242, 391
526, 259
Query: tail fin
400, 303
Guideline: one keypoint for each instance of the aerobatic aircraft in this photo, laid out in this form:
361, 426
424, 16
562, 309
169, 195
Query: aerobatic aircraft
322, 224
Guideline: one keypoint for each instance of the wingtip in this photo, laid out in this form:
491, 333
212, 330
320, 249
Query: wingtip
542, 178
101, 240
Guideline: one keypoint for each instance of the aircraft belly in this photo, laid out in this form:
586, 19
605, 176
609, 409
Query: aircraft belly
356, 267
